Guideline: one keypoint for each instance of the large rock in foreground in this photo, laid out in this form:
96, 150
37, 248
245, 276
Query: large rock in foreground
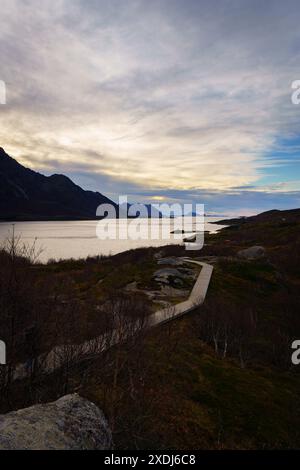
70, 423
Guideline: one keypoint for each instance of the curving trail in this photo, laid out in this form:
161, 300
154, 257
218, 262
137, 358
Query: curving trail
55, 358
196, 297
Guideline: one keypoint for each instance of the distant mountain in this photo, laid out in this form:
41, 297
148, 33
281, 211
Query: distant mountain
28, 195
132, 211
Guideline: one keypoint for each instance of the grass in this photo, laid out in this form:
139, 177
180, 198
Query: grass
201, 401
212, 403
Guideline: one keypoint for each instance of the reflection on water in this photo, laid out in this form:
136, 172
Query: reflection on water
78, 239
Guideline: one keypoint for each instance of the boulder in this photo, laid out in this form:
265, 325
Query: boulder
163, 276
253, 252
167, 272
132, 287
70, 423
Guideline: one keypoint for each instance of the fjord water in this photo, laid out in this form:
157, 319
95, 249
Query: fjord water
78, 239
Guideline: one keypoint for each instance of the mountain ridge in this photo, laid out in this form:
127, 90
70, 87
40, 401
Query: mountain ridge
28, 195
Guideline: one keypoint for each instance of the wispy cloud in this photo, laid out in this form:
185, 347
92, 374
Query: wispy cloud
164, 95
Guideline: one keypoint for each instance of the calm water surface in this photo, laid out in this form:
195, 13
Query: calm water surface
78, 239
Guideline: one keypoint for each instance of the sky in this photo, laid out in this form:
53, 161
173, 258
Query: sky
161, 100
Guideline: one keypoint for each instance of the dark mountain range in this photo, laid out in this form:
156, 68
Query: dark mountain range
28, 195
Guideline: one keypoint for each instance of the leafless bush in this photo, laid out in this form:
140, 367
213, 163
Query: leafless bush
227, 327
20, 301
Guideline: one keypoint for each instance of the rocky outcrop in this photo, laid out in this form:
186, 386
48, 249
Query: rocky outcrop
70, 423
167, 272
253, 252
167, 275
170, 261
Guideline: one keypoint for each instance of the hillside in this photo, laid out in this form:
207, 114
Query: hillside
218, 378
271, 216
28, 195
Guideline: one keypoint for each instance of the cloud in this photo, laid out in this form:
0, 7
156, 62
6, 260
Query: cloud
159, 96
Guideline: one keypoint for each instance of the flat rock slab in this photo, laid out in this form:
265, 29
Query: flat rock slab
170, 261
167, 272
